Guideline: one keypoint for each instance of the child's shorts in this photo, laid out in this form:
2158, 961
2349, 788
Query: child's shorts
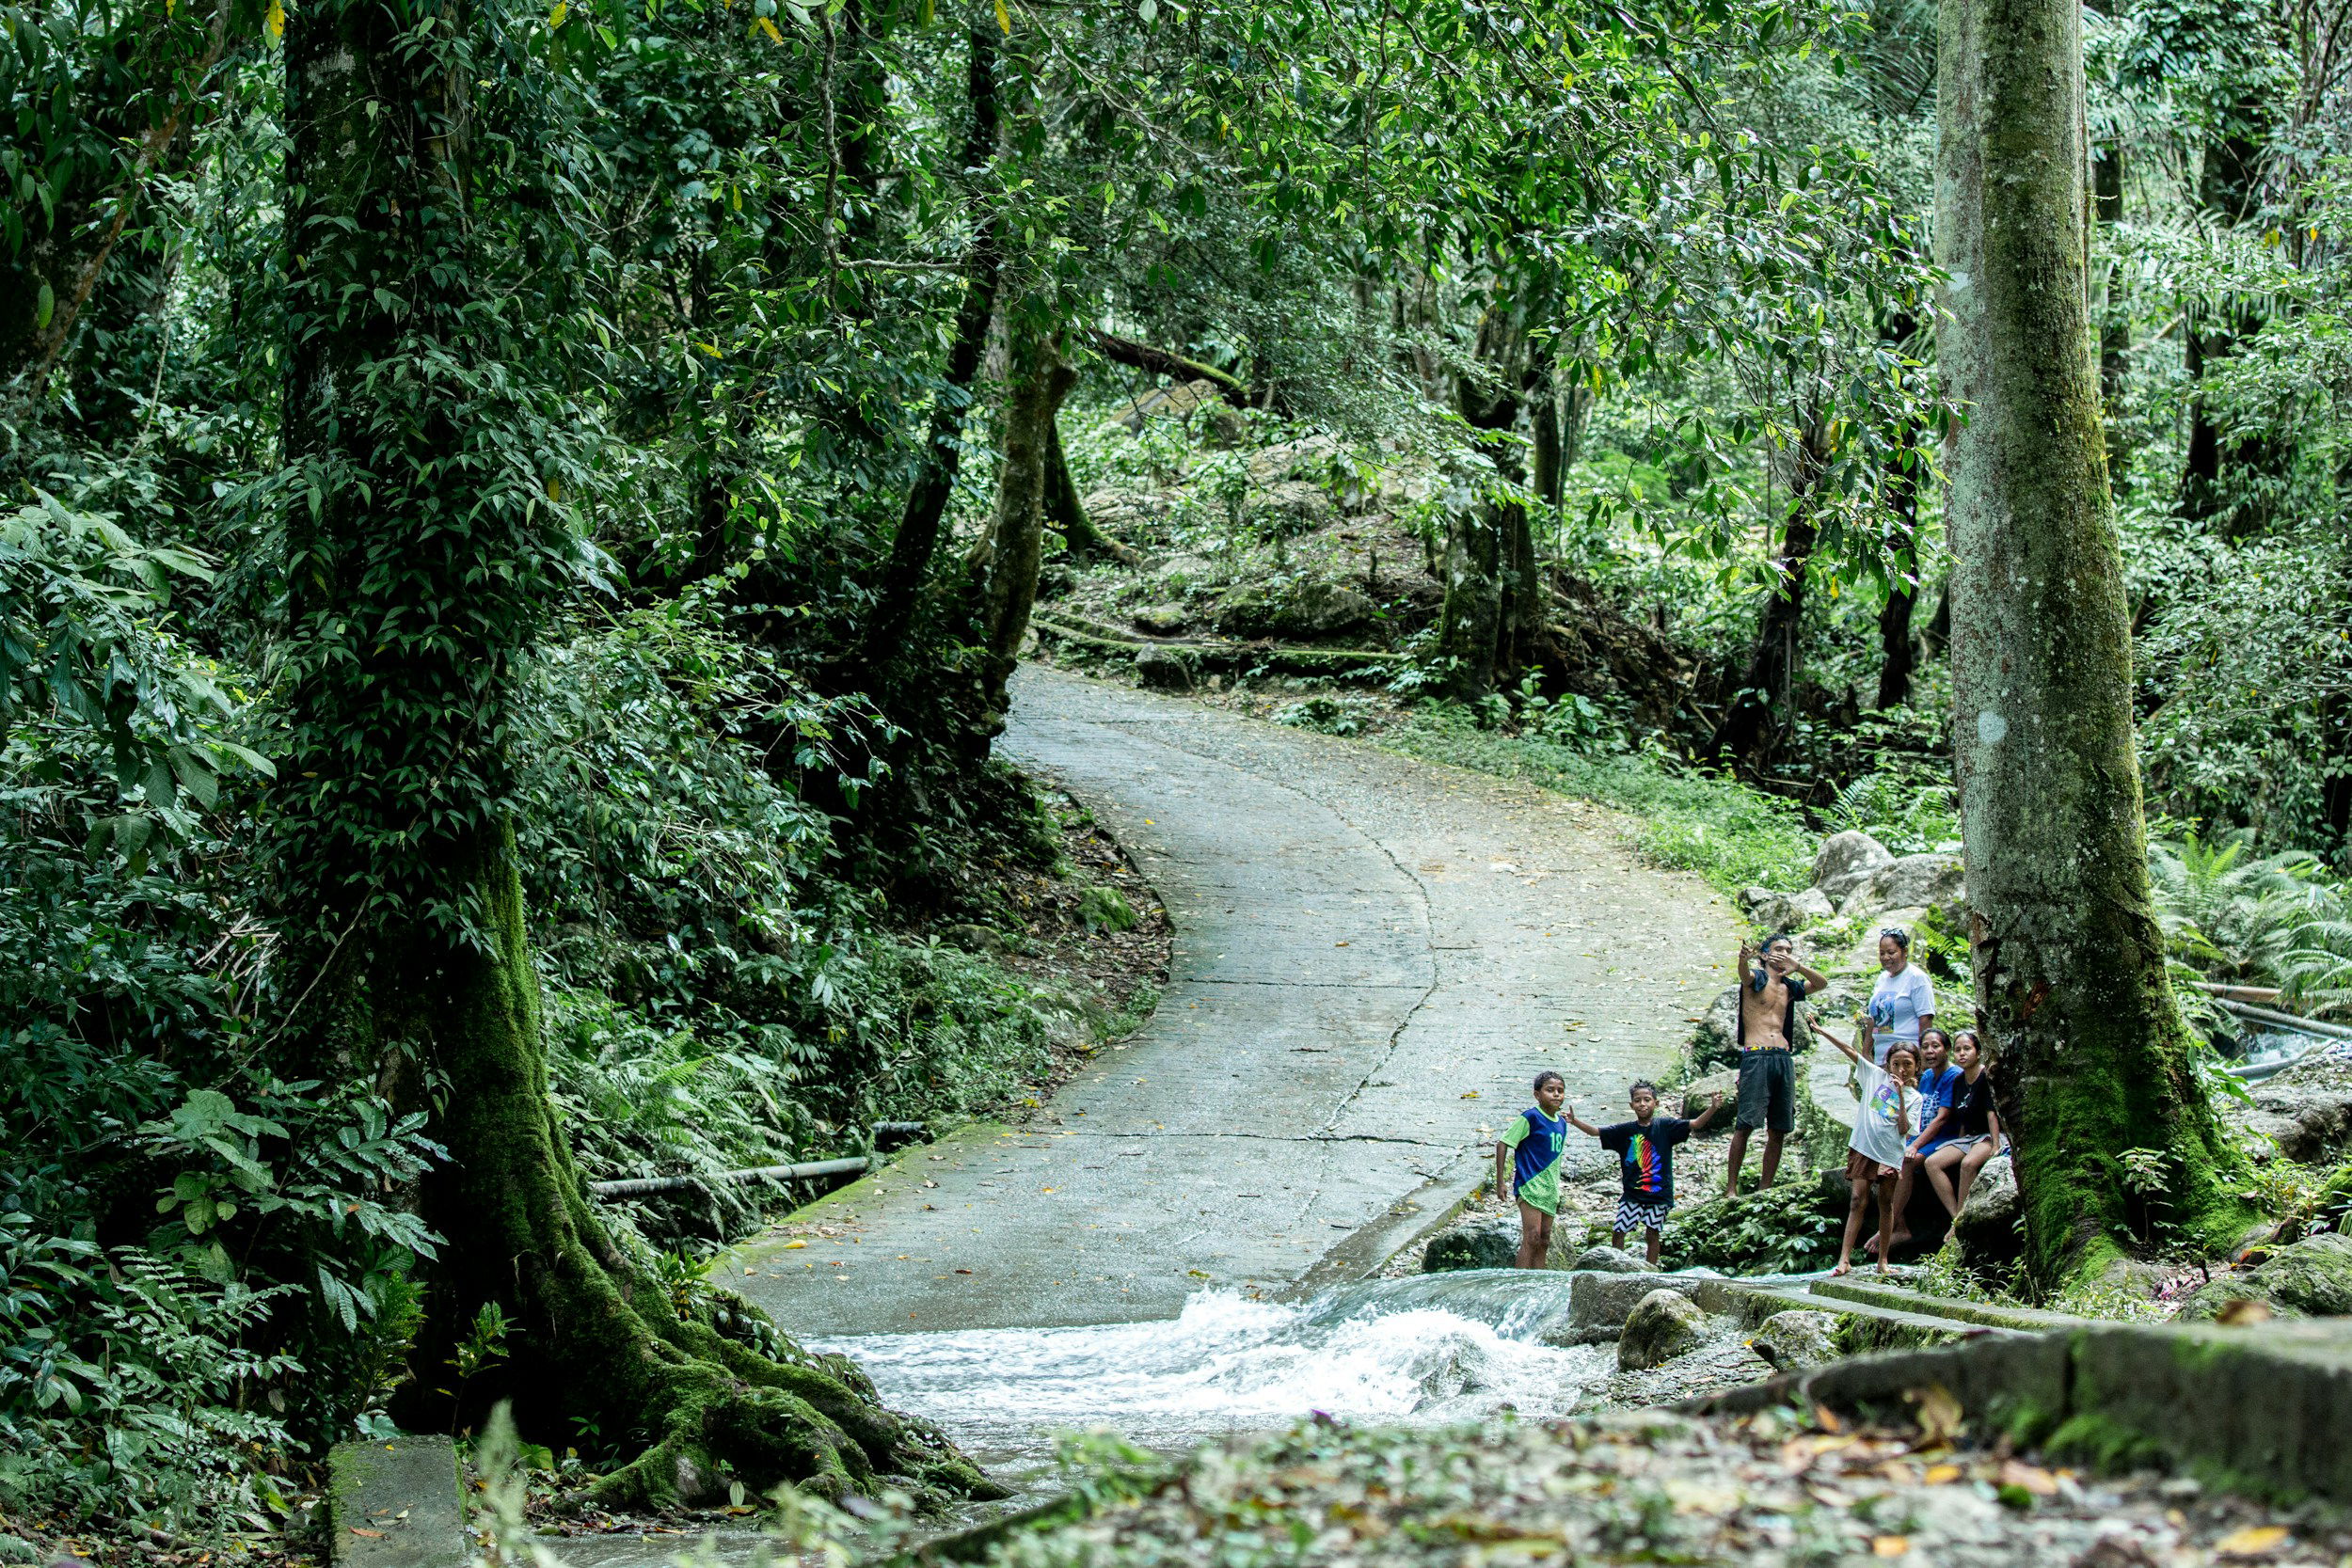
1641, 1216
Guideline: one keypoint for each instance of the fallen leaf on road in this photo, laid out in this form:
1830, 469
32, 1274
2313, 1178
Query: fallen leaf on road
794, 1247
963, 1271
2253, 1540
1889, 1546
1941, 1475
1472, 1095
371, 1534
2040, 1482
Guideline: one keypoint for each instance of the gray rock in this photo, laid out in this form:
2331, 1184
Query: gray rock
1488, 1242
1165, 403
1313, 609
974, 938
2311, 1278
1599, 1303
1222, 425
1988, 1224
1696, 1094
1797, 1341
1166, 620
2309, 1122
1607, 1260
1914, 881
1187, 571
1663, 1324
1791, 911
1163, 670
1845, 860
1714, 1042
1750, 897
1293, 504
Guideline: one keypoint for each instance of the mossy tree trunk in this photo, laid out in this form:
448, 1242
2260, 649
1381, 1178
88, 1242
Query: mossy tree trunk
1491, 612
2070, 964
1039, 380
1764, 706
1067, 512
422, 556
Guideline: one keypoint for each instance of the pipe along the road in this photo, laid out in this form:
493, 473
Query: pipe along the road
649, 1186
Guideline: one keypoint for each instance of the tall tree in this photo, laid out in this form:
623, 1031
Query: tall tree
2069, 961
423, 546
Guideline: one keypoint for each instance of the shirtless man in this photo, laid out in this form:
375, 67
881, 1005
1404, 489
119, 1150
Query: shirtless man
1769, 994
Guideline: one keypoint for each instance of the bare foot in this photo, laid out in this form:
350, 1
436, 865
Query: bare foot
1843, 1268
1883, 1269
1900, 1237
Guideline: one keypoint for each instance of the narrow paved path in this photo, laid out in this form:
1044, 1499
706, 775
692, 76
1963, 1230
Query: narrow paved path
1373, 956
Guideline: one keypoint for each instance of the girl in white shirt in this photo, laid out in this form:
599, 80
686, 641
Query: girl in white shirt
1882, 1126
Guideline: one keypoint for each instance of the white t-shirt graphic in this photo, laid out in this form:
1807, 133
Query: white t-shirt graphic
1875, 1132
1897, 1003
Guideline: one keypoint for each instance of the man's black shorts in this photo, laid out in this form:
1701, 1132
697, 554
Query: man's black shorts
1768, 1091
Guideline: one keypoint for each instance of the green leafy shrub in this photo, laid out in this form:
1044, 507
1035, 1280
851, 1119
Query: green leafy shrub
1789, 1229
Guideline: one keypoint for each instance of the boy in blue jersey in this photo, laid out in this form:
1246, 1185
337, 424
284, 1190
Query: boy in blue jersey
1527, 1164
1644, 1148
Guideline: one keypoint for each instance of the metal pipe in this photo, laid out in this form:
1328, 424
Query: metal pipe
2284, 1021
648, 1185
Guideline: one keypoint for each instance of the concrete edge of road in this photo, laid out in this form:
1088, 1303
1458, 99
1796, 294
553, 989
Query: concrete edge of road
2264, 1410
1410, 1220
397, 1503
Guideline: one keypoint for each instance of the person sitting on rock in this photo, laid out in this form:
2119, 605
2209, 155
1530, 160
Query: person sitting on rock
1769, 995
1936, 1077
1644, 1148
1973, 1128
1903, 1001
1874, 1155
1527, 1166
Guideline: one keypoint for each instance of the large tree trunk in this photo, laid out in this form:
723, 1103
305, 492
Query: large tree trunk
899, 589
1491, 595
1041, 379
417, 578
1898, 653
2115, 318
2229, 190
2070, 972
1765, 704
1068, 513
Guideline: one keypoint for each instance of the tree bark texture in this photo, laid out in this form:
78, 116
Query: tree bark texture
1899, 654
1067, 512
419, 569
899, 589
1491, 616
1041, 379
2069, 961
2115, 319
1764, 706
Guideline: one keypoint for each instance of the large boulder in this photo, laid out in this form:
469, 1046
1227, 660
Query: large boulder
1663, 1324
1180, 572
1989, 1223
1163, 670
1313, 609
1790, 912
1165, 403
2311, 1279
1714, 1042
1161, 620
1697, 1094
1911, 882
1607, 1260
1846, 859
1486, 1242
1797, 1341
2309, 1122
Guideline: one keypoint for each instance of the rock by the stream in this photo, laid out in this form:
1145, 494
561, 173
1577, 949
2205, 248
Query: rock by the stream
1797, 1341
1162, 620
1844, 862
1163, 670
1787, 911
1723, 1364
1187, 571
1663, 1324
1486, 1242
2311, 1278
1988, 1222
2306, 1111
1912, 882
1607, 1260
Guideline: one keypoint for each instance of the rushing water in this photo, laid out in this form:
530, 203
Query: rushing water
1431, 1349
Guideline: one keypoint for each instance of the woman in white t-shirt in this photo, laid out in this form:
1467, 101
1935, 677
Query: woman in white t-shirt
1903, 1001
1883, 1125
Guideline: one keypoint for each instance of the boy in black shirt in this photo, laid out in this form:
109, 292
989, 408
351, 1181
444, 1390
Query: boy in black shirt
1646, 1166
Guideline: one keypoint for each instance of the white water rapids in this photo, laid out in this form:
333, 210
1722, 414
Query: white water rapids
1428, 1350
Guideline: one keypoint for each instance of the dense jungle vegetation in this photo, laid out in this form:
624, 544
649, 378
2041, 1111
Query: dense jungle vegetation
519, 518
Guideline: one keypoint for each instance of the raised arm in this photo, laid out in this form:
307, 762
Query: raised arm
1578, 1122
1815, 981
1851, 1054
1707, 1115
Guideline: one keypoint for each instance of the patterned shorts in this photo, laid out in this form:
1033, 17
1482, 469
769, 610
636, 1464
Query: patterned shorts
1641, 1216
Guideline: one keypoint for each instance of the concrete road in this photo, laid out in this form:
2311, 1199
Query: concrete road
1373, 955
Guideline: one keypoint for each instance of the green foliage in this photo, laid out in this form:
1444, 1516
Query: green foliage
1106, 908
1732, 835
1782, 1229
